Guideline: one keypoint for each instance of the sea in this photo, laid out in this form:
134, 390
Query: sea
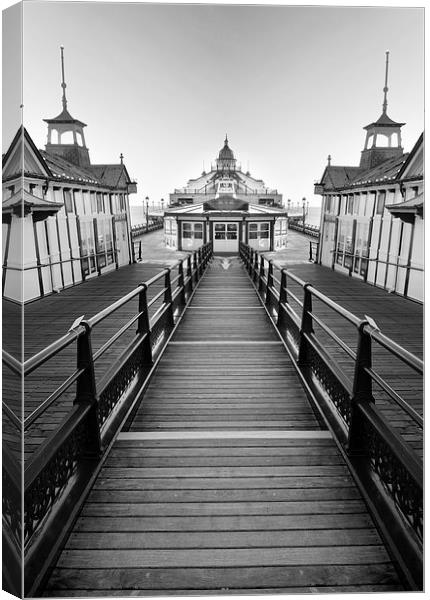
137, 216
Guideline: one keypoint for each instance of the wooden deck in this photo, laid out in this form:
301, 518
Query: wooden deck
49, 318
224, 480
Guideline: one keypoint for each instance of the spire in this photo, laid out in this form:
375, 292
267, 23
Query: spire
121, 157
384, 105
226, 140
63, 82
328, 160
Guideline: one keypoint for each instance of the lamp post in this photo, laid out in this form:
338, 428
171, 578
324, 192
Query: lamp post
147, 215
162, 205
304, 213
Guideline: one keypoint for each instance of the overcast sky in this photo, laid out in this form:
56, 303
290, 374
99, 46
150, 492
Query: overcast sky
164, 83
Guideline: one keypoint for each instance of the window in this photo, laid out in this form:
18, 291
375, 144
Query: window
381, 202
68, 201
258, 230
99, 203
253, 231
191, 230
93, 202
187, 230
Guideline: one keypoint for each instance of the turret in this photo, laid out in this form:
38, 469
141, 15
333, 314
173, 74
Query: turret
66, 134
383, 137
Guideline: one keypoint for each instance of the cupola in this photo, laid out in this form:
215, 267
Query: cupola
66, 134
226, 160
383, 137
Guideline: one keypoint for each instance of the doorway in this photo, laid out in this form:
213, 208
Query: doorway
225, 237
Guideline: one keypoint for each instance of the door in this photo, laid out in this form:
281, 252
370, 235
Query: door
226, 238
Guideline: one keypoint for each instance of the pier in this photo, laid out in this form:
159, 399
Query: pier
231, 453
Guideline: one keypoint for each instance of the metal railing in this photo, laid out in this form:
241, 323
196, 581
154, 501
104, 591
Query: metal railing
152, 225
307, 229
67, 461
387, 469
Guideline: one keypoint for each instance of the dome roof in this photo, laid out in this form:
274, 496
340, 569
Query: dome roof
226, 153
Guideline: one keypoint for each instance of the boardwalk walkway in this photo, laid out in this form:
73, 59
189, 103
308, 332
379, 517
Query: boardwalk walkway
223, 480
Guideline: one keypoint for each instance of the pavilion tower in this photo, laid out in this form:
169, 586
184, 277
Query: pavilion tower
66, 134
383, 137
226, 161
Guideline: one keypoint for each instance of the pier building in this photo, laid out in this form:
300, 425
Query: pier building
372, 222
72, 215
226, 206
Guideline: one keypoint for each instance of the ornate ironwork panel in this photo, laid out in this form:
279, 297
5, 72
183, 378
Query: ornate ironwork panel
396, 479
337, 393
11, 505
115, 389
160, 330
46, 488
292, 329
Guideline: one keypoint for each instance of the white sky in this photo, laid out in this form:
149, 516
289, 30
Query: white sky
164, 83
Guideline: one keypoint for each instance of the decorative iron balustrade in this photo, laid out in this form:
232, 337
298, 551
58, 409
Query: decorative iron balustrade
389, 471
307, 229
153, 224
57, 474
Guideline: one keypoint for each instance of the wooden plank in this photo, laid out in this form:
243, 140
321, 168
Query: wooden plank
224, 579
225, 523
224, 539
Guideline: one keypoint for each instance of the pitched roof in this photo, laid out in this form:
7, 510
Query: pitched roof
419, 167
65, 117
63, 169
386, 171
384, 121
338, 177
110, 174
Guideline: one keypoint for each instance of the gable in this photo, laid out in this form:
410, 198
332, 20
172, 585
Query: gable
14, 157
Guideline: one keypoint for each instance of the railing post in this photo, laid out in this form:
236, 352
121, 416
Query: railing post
200, 261
190, 273
195, 267
86, 391
181, 282
283, 299
143, 325
362, 389
250, 259
255, 268
168, 297
269, 282
140, 249
306, 325
261, 274
310, 251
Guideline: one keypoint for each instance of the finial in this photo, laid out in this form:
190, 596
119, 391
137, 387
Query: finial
328, 160
226, 140
121, 156
384, 105
63, 82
